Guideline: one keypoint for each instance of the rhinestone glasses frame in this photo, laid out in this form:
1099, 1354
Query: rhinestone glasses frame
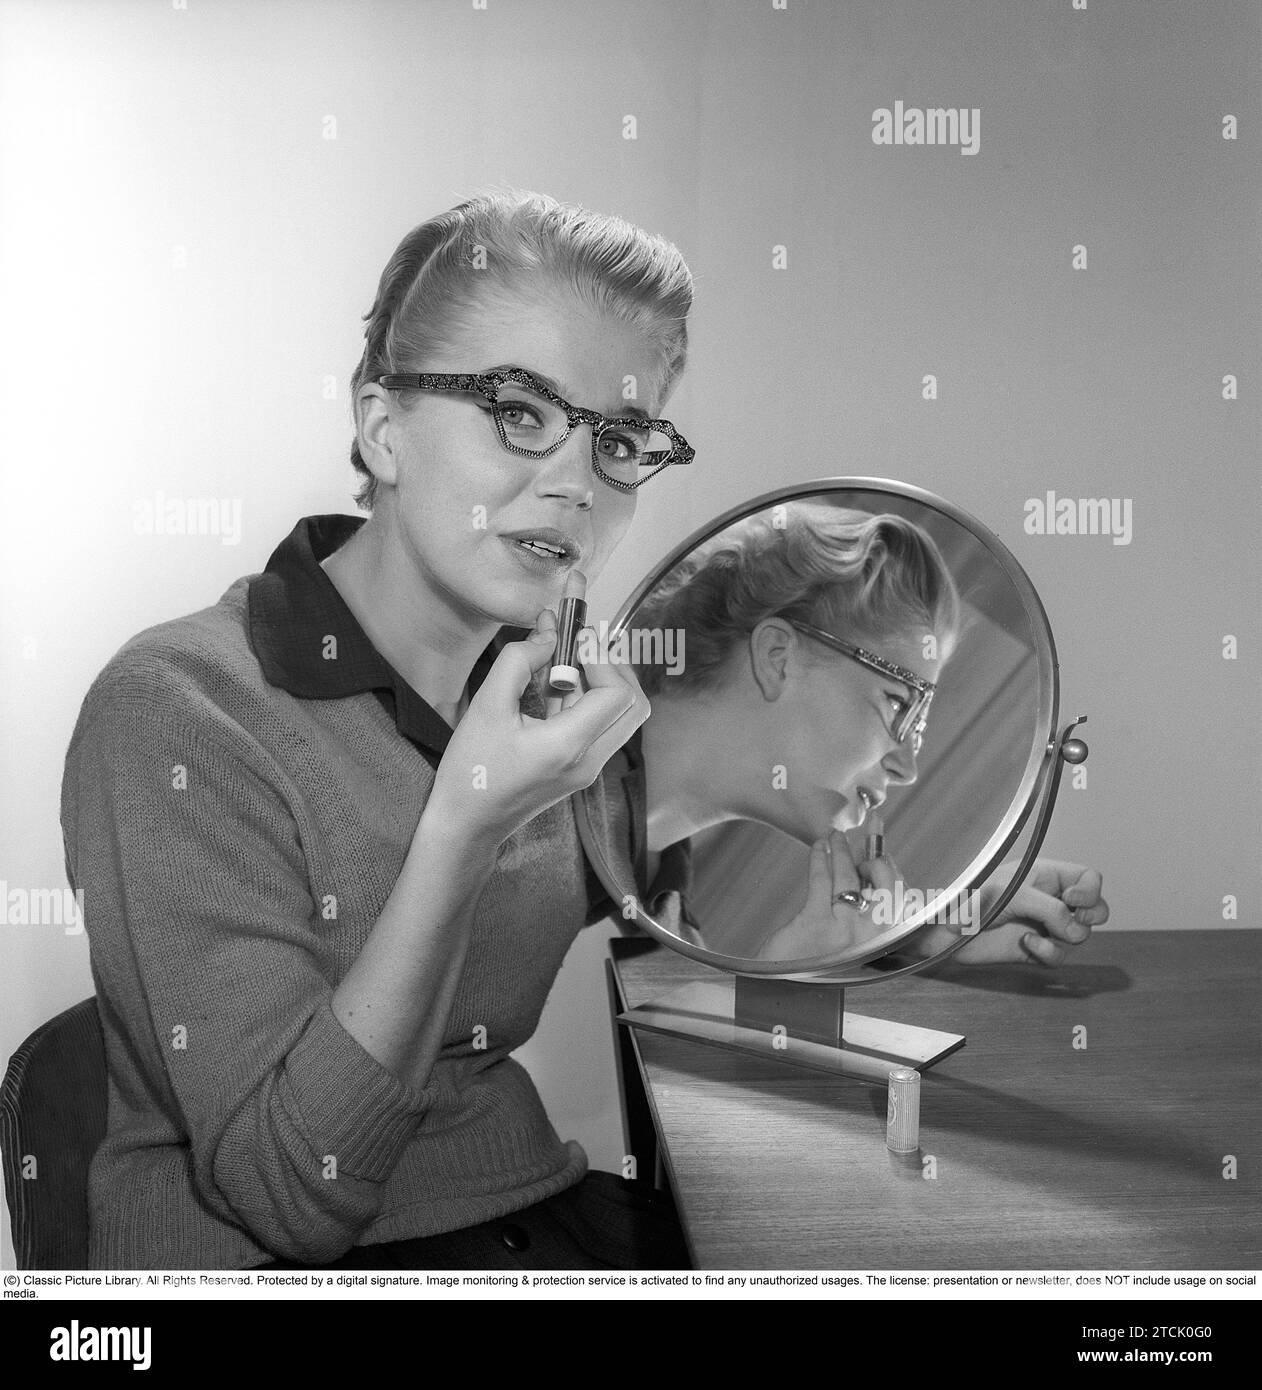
487, 384
915, 717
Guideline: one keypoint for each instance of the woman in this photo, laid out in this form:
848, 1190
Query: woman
329, 863
815, 638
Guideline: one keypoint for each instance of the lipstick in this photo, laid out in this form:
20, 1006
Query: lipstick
571, 617
874, 845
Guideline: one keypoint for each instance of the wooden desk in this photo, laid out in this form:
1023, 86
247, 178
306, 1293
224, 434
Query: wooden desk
1108, 1157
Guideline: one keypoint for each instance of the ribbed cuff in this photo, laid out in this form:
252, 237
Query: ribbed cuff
350, 1105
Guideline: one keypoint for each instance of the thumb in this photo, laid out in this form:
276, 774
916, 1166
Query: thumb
518, 662
542, 642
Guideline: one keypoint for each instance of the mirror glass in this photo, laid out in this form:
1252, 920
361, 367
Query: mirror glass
856, 658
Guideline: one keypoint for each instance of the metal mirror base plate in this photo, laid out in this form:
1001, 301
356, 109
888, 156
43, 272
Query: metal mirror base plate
706, 1012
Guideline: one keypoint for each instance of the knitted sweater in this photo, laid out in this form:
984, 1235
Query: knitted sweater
235, 845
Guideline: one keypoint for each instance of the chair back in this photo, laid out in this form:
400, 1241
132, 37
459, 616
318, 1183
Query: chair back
52, 1118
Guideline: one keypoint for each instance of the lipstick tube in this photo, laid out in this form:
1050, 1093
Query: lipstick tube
571, 618
874, 845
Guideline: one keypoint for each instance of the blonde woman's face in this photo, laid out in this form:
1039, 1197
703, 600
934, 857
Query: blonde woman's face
468, 508
830, 730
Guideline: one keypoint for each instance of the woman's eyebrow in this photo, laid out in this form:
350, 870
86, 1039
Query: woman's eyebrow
623, 412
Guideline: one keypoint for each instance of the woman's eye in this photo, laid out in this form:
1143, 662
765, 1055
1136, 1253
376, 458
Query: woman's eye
899, 707
617, 448
518, 415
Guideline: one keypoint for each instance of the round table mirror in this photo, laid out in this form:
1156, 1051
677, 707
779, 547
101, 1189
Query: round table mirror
823, 656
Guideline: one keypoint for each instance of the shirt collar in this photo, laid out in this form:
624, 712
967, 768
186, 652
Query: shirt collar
309, 643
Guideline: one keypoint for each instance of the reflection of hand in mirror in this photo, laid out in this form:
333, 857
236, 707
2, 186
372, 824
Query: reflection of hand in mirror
828, 924
1053, 911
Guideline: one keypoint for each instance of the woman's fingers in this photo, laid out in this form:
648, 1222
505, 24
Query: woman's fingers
610, 710
1092, 916
1057, 925
1085, 891
1076, 883
845, 876
600, 722
611, 739
1052, 914
1085, 899
591, 652
881, 873
601, 673
819, 880
1043, 949
515, 666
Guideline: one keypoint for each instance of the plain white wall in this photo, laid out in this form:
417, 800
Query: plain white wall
199, 200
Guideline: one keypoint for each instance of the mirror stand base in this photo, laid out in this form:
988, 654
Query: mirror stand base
765, 1018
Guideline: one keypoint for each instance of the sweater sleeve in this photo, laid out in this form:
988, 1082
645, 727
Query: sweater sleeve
206, 935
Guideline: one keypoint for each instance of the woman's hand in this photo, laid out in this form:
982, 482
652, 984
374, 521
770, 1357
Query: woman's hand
502, 768
1053, 910
824, 925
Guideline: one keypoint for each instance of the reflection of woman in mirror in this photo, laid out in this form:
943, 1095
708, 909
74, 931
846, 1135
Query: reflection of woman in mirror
814, 641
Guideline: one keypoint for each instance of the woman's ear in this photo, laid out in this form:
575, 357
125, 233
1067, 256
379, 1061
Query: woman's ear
774, 647
372, 424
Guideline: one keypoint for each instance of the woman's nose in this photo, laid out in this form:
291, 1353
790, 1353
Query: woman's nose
900, 763
568, 473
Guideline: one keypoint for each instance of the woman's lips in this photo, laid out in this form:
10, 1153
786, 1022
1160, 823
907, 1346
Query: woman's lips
538, 559
546, 542
864, 801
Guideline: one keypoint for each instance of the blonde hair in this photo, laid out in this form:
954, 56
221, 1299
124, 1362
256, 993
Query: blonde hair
513, 241
860, 577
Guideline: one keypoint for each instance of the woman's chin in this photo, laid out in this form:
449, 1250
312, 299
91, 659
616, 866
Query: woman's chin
508, 610
810, 824
817, 827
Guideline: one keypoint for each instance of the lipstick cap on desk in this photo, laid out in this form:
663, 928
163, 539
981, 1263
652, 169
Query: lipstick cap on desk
902, 1119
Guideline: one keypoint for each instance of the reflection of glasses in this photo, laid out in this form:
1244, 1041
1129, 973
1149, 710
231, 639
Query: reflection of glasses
913, 719
531, 419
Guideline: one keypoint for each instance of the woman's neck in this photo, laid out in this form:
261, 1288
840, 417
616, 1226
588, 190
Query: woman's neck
687, 749
432, 647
